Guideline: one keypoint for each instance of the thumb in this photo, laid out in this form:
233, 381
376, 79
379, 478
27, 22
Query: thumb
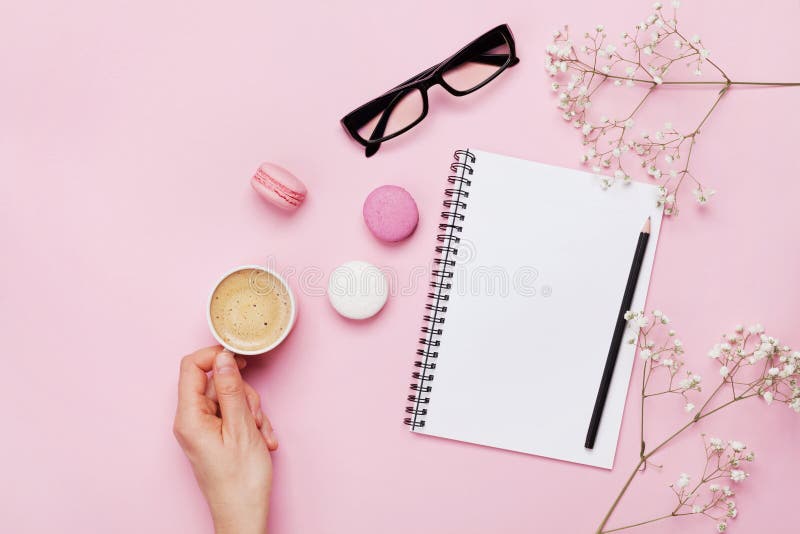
230, 393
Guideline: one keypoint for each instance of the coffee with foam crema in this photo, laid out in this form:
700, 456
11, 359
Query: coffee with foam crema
251, 309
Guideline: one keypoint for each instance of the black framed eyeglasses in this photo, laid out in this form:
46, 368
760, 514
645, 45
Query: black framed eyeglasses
403, 107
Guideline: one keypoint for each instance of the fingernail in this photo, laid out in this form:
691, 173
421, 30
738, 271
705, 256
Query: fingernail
273, 439
241, 362
260, 417
224, 362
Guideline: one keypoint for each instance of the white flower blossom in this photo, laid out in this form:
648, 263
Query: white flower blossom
737, 475
702, 196
683, 480
689, 407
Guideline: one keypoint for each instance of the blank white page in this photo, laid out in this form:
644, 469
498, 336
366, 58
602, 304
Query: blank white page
520, 363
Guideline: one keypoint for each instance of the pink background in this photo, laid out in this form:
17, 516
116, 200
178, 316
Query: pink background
128, 132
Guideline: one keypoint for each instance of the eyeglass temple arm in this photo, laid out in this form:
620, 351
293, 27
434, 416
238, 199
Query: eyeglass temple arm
380, 128
497, 60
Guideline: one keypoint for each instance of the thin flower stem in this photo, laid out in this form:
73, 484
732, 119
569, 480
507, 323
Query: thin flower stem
649, 92
591, 70
639, 523
689, 42
776, 84
641, 423
722, 93
619, 497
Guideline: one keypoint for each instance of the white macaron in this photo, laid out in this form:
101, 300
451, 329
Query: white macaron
357, 290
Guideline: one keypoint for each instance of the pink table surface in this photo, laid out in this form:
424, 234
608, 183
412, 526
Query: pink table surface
128, 132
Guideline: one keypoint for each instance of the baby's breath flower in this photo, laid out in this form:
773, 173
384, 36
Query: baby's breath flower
702, 196
737, 475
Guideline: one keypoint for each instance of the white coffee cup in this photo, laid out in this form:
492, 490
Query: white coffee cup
269, 273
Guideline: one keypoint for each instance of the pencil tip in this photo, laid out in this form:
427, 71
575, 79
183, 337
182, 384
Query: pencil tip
646, 227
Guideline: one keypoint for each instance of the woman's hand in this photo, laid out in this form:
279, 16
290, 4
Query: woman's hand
227, 439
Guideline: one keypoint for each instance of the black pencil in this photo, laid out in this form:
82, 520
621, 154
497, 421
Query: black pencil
616, 340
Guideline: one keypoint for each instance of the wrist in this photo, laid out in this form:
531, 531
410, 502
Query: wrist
239, 520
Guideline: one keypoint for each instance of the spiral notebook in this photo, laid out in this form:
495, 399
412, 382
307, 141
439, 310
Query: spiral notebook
530, 267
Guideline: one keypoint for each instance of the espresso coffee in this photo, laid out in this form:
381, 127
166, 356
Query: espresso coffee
251, 309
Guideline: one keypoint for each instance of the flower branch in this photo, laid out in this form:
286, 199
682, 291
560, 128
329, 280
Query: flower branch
751, 364
647, 56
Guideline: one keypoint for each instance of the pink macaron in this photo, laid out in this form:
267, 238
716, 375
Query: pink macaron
390, 213
278, 186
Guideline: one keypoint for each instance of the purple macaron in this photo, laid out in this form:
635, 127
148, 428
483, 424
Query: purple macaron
390, 213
